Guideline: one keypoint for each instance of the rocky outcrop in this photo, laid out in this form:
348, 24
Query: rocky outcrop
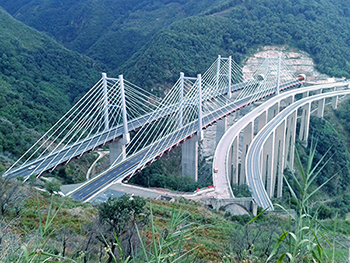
299, 61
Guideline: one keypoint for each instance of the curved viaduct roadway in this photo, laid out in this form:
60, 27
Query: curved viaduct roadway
223, 174
253, 163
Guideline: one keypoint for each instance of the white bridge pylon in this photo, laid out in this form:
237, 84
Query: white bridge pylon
113, 107
96, 119
192, 101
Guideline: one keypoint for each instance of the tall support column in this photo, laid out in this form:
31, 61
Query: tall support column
116, 151
290, 140
247, 139
218, 73
335, 102
268, 163
229, 92
181, 97
190, 147
288, 101
305, 94
319, 91
262, 119
190, 158
273, 111
126, 134
221, 127
278, 76
289, 130
320, 107
280, 137
304, 125
200, 125
105, 100
233, 162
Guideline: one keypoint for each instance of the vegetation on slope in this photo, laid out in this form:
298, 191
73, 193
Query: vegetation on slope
166, 173
332, 136
107, 31
238, 27
36, 227
39, 81
151, 41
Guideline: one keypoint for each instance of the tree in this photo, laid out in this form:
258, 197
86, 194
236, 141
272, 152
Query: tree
12, 196
52, 187
241, 190
118, 217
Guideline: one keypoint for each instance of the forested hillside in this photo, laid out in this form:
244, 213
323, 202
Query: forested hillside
107, 31
237, 28
151, 41
39, 81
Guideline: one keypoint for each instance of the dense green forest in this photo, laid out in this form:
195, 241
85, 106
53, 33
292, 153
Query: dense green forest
237, 28
151, 41
107, 31
39, 81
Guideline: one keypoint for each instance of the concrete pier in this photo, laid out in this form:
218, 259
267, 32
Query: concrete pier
279, 156
273, 111
221, 127
268, 163
290, 140
247, 139
233, 162
262, 119
335, 102
304, 124
117, 151
190, 158
320, 108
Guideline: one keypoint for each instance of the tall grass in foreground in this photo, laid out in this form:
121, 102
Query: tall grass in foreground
303, 240
37, 248
168, 245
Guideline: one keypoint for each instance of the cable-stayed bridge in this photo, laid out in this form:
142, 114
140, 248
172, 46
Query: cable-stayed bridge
114, 109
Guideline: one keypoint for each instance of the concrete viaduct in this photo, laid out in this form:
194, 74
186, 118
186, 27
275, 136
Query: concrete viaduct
276, 151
